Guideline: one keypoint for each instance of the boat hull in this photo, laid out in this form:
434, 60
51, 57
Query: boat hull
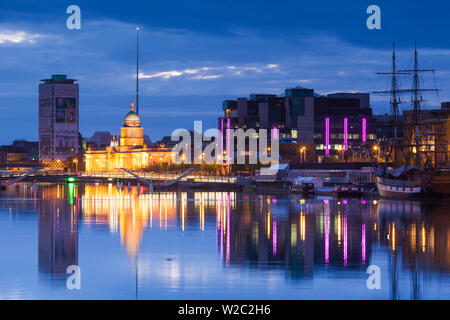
399, 188
441, 184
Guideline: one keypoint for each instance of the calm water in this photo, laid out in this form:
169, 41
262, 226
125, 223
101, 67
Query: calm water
217, 245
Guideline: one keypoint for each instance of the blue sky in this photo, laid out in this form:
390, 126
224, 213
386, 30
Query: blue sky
194, 54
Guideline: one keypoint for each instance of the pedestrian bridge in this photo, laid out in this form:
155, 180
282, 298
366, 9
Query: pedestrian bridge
153, 176
161, 176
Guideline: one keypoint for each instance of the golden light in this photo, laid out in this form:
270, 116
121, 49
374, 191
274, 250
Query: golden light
375, 147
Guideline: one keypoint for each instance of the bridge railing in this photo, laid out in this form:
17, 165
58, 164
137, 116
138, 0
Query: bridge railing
161, 176
144, 175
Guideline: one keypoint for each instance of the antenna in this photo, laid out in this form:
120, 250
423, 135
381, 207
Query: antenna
137, 70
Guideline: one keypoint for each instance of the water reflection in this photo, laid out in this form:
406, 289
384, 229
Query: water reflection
58, 237
300, 238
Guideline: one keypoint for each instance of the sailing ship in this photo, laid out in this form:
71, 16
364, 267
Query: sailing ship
423, 176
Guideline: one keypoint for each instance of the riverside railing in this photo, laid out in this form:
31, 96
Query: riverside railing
161, 176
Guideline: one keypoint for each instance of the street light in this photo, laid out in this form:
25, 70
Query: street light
302, 154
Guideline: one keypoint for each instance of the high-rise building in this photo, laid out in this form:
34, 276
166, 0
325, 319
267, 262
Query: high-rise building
297, 96
58, 118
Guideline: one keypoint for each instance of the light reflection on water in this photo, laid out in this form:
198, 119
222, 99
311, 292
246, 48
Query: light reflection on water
218, 245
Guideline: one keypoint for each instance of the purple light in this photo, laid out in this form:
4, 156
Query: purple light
274, 238
345, 134
327, 136
345, 241
275, 132
228, 228
221, 140
228, 141
363, 201
327, 234
364, 130
344, 201
363, 243
221, 228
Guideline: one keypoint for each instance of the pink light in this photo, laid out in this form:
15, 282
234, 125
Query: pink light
363, 243
218, 225
228, 228
345, 240
327, 136
275, 132
221, 228
221, 140
327, 234
228, 141
345, 134
274, 238
364, 129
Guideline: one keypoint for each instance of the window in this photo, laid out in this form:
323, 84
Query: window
294, 134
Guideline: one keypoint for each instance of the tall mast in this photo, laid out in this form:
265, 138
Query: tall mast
394, 100
416, 89
416, 103
417, 99
137, 70
394, 92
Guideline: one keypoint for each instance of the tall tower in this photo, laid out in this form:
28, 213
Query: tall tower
58, 118
137, 70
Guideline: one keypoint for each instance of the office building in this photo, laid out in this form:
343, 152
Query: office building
311, 127
58, 118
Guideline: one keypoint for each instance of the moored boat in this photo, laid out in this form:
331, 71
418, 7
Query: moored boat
398, 188
440, 183
348, 191
403, 182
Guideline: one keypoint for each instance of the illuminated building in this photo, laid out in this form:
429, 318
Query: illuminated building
58, 118
433, 133
328, 125
130, 152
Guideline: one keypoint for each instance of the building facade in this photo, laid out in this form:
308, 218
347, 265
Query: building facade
342, 122
58, 118
129, 151
311, 127
431, 135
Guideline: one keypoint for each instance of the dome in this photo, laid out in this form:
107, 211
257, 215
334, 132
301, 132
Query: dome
132, 119
132, 116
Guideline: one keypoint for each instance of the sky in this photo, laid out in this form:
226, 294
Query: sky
195, 54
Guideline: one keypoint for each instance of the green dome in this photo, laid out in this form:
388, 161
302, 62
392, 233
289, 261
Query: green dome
132, 120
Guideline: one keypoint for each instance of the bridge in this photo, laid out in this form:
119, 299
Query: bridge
157, 179
162, 177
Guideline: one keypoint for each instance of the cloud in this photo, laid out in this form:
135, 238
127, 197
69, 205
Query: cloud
213, 76
204, 73
163, 74
179, 65
17, 36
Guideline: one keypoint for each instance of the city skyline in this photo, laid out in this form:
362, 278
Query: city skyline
187, 69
